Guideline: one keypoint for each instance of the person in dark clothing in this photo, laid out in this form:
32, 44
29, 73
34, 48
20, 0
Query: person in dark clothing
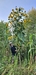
13, 51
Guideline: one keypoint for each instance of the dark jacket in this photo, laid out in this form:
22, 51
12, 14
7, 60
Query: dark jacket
13, 50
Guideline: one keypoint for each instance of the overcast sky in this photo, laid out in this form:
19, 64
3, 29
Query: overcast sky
7, 5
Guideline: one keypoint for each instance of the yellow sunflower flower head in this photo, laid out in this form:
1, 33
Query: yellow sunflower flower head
25, 21
6, 24
10, 37
29, 20
11, 15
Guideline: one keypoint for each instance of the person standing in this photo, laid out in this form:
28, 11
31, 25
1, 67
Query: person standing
13, 51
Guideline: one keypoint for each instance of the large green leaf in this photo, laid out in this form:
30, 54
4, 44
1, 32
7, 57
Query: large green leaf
21, 37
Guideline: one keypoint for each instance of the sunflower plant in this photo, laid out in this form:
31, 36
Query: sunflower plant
19, 22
